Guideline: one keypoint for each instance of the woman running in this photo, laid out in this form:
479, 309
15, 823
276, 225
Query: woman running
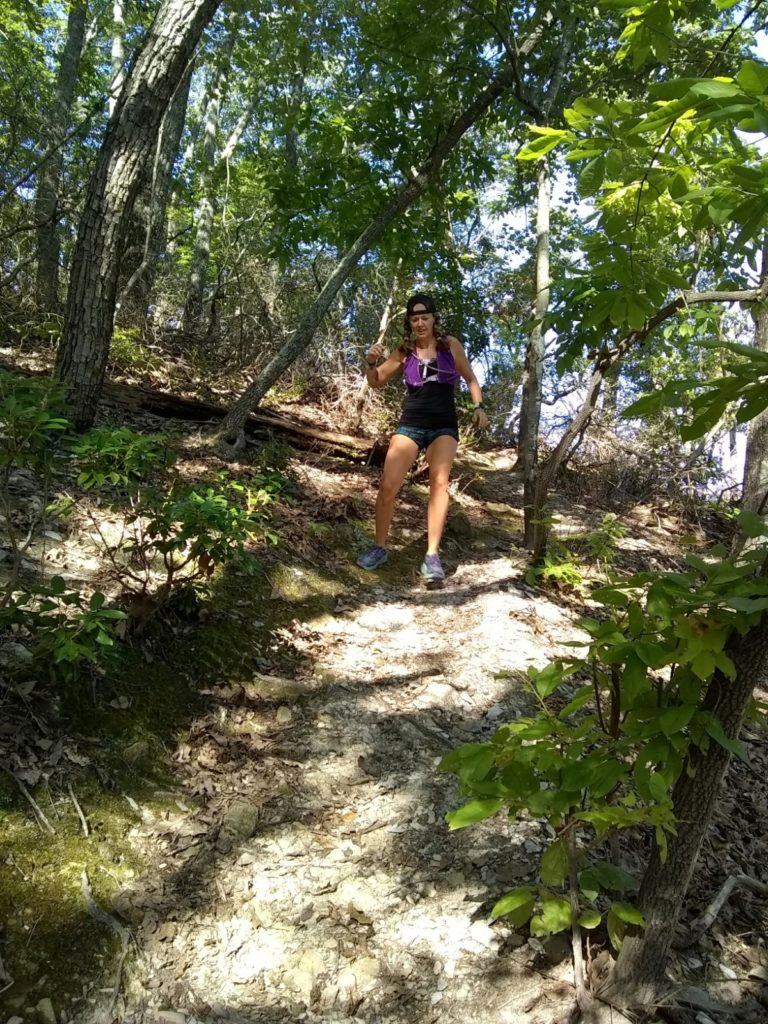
432, 363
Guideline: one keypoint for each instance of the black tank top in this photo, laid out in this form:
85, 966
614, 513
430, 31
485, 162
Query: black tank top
432, 404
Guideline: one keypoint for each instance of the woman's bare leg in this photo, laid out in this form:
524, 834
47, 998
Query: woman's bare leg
440, 456
401, 455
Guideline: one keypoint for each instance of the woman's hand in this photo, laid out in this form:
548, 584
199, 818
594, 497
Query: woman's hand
374, 354
480, 420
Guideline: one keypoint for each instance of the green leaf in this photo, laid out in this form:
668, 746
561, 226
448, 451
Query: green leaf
715, 89
471, 813
616, 929
675, 719
591, 176
97, 601
555, 916
554, 863
590, 919
753, 77
516, 906
653, 655
714, 727
628, 913
751, 524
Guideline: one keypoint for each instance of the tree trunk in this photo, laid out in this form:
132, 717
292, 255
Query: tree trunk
420, 180
155, 205
530, 412
639, 970
129, 141
755, 492
204, 215
606, 360
381, 337
47, 196
117, 54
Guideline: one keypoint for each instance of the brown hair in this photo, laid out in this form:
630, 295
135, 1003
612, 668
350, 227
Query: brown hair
408, 344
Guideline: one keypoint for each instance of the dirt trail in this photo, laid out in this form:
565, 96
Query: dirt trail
313, 877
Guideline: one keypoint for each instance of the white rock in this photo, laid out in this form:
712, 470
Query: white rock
284, 714
435, 998
45, 1012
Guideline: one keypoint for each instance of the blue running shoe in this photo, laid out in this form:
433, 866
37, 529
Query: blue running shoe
432, 568
373, 557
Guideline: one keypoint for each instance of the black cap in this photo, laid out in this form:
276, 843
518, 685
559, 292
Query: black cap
421, 300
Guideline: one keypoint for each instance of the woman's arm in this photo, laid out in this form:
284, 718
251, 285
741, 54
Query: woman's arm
465, 370
377, 376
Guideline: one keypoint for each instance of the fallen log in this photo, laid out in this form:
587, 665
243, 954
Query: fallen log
259, 424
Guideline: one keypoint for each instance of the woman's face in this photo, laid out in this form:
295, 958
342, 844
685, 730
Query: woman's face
422, 323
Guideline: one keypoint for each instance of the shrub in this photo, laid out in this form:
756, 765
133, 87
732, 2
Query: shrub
64, 629
128, 353
119, 458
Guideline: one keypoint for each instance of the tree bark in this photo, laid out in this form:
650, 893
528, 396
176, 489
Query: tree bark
755, 491
129, 141
117, 54
530, 412
533, 374
154, 207
49, 177
639, 971
504, 81
205, 212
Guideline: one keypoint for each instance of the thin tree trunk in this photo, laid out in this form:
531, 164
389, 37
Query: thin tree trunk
204, 215
606, 360
533, 373
420, 180
384, 322
530, 412
639, 971
47, 196
155, 206
129, 142
117, 54
755, 493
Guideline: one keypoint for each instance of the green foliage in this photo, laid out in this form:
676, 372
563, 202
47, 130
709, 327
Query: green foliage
66, 630
128, 353
116, 457
614, 728
30, 423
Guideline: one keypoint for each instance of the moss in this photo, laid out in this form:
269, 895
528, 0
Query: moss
164, 682
47, 929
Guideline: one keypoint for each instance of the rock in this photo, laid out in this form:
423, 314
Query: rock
435, 998
14, 655
284, 714
45, 1012
171, 1016
241, 819
136, 752
557, 948
15, 1020
366, 970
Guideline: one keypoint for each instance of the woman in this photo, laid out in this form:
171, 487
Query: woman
431, 363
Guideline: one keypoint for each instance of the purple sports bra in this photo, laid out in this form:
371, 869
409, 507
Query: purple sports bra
413, 370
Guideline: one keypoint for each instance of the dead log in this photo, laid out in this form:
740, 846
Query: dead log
259, 424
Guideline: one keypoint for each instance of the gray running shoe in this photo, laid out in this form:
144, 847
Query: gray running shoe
432, 568
373, 557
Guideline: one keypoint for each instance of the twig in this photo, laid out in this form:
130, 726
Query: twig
79, 809
583, 998
732, 882
100, 915
41, 818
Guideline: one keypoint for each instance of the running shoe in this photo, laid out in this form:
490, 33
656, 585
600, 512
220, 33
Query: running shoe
373, 557
432, 568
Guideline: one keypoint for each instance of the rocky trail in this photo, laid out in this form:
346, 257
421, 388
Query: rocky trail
297, 866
